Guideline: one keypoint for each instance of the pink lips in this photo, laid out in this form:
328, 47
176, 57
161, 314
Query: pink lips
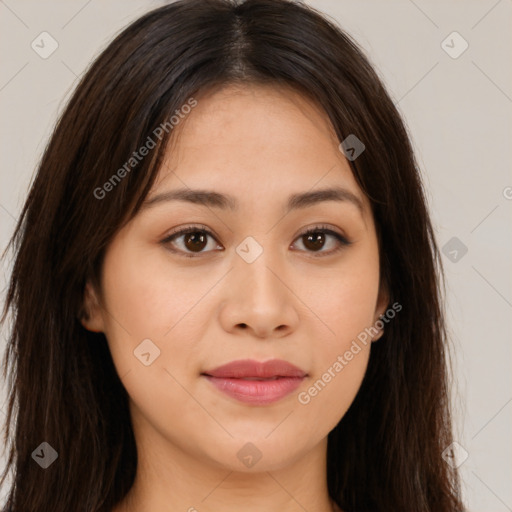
254, 382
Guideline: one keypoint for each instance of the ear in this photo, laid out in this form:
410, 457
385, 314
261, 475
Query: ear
381, 307
91, 317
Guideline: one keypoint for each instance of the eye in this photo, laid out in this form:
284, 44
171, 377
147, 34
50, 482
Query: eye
195, 240
314, 239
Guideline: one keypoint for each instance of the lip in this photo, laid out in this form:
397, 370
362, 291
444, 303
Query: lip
257, 383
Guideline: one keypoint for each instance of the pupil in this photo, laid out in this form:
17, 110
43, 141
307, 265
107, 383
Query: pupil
317, 240
197, 243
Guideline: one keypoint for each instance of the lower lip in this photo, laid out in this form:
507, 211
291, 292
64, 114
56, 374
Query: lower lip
256, 392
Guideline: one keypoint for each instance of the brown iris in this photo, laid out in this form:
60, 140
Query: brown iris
314, 241
195, 241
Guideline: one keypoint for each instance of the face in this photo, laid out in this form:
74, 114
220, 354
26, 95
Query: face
245, 284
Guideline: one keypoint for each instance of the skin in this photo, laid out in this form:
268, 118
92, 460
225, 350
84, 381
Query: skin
259, 143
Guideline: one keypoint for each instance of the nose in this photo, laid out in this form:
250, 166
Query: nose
259, 299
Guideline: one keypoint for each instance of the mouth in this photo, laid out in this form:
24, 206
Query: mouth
251, 369
259, 378
256, 383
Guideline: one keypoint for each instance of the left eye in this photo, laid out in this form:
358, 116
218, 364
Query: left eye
315, 239
195, 239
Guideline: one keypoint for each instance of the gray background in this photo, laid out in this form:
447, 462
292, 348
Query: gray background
459, 114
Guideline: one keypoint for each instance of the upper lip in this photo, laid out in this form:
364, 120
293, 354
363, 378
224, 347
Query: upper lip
247, 368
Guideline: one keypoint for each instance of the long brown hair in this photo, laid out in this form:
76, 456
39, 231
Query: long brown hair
386, 452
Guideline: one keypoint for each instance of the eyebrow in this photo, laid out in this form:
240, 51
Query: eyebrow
214, 199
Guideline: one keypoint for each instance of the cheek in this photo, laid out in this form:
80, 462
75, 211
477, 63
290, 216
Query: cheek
146, 294
340, 361
152, 342
331, 391
345, 304
147, 299
345, 298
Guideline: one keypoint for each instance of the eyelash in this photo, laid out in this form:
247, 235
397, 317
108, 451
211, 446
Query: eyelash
316, 229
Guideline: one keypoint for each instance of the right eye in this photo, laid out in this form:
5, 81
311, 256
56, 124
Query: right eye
195, 239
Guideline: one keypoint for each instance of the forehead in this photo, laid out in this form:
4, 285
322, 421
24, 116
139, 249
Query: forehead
255, 142
253, 114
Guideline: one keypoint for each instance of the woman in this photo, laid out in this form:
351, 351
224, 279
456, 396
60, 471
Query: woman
226, 290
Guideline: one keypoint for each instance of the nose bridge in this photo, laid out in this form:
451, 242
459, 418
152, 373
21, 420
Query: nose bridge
257, 265
257, 297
